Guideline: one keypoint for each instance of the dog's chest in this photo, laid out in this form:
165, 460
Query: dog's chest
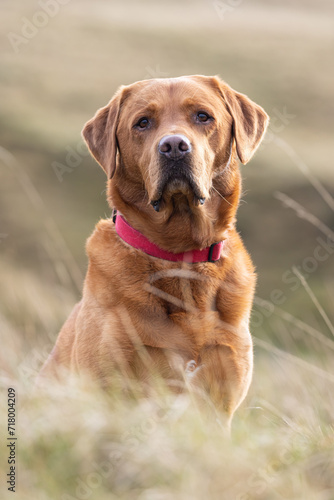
186, 294
191, 305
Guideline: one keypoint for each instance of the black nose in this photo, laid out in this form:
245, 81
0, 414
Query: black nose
174, 146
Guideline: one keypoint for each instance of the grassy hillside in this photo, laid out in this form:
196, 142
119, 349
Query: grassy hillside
56, 70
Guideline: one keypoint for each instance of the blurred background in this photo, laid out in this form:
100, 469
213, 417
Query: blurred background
63, 59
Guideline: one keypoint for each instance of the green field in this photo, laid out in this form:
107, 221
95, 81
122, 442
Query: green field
57, 68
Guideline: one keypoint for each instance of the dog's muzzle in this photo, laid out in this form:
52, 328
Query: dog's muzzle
176, 174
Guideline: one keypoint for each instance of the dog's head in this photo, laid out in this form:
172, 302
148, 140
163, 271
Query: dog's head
169, 146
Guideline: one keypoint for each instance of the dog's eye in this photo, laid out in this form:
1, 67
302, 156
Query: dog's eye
203, 117
143, 123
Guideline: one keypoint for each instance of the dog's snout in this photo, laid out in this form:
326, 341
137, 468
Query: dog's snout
174, 146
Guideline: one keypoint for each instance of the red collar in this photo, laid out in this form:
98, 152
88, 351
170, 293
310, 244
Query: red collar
137, 240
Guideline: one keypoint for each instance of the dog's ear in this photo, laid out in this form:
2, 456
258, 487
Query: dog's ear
250, 121
100, 134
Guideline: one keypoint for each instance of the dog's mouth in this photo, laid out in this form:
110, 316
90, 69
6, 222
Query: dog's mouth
178, 187
178, 191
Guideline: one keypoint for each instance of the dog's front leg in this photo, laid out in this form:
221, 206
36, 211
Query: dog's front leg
221, 377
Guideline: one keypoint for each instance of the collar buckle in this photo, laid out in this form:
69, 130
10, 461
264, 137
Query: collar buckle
211, 250
114, 215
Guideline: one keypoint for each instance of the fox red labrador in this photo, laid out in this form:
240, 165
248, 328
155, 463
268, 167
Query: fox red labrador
169, 286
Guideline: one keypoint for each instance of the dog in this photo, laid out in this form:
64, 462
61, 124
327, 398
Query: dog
169, 286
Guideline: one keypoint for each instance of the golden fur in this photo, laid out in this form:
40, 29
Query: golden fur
192, 318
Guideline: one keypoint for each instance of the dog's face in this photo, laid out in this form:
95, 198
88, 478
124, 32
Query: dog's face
176, 135
171, 140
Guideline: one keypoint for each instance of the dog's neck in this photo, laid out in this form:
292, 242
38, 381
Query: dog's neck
137, 240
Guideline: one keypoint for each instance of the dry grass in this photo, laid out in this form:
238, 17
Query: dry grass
74, 442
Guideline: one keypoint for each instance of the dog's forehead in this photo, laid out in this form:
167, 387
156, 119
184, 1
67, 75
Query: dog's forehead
198, 88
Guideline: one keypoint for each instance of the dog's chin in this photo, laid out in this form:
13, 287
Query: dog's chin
182, 194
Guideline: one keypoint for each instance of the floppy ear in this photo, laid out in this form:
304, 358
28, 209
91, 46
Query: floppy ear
250, 121
100, 135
